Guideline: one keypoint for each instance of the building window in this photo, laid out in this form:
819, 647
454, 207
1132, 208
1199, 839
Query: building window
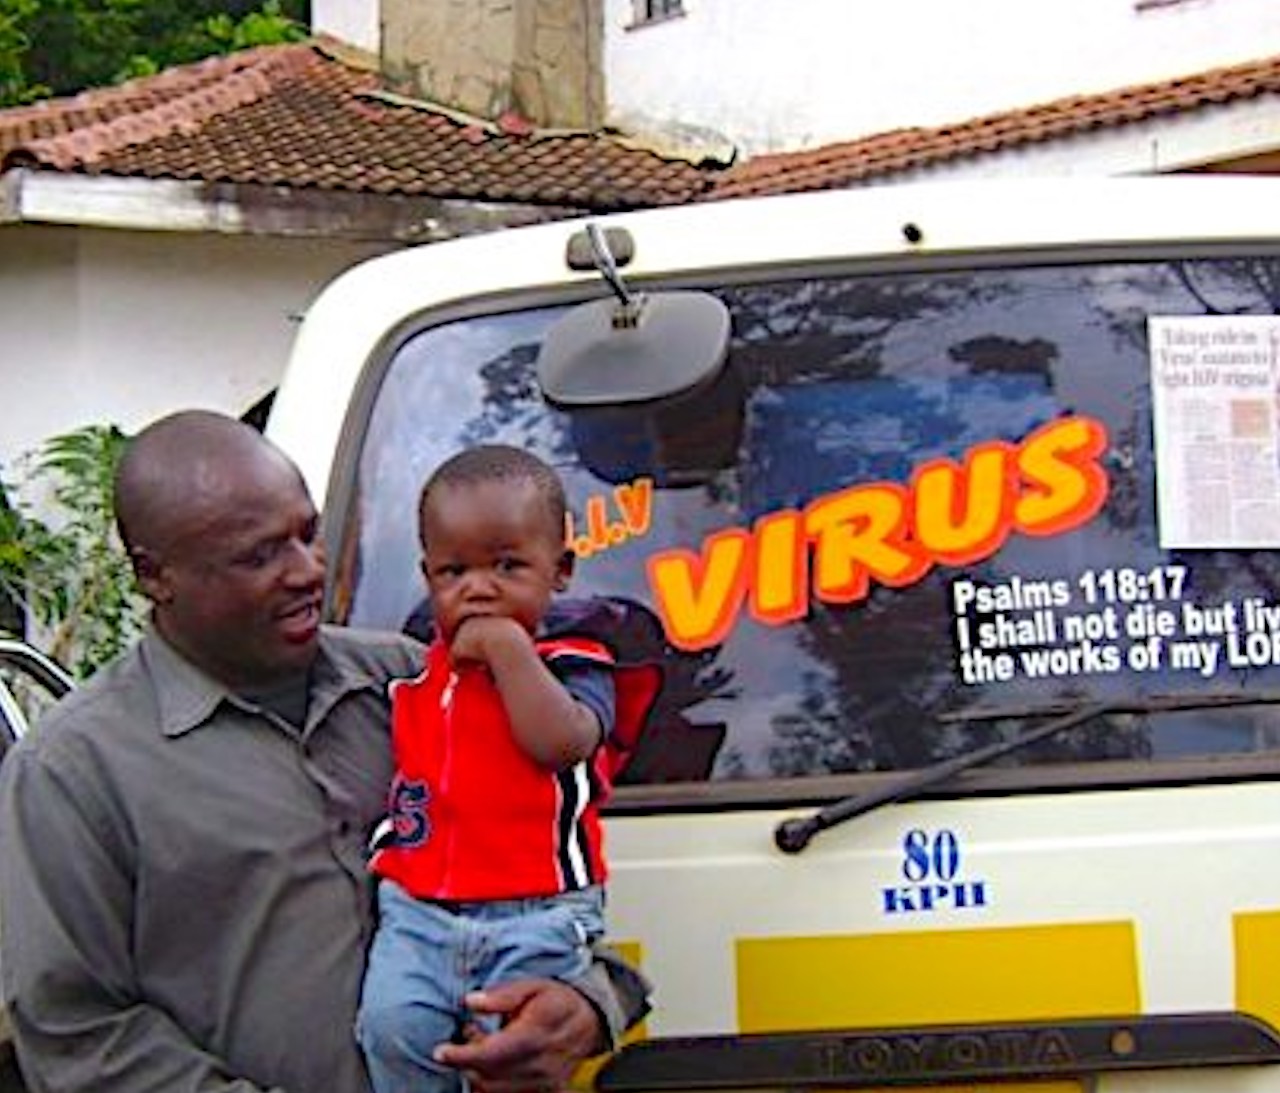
656, 11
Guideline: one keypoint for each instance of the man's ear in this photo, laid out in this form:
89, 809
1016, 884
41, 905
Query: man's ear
149, 569
564, 570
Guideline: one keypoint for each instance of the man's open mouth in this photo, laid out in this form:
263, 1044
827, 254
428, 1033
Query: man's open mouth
300, 622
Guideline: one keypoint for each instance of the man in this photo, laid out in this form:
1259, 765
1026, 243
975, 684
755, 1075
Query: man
183, 890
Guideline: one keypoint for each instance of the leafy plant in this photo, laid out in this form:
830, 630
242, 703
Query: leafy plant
58, 47
68, 572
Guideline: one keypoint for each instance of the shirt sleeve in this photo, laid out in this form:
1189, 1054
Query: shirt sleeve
79, 1021
619, 993
590, 683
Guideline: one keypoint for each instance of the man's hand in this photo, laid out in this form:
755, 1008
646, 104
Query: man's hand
548, 1028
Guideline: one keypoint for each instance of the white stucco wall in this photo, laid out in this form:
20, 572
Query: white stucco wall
779, 76
117, 326
355, 21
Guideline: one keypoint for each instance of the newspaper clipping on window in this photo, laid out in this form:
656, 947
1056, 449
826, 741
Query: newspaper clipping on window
1216, 408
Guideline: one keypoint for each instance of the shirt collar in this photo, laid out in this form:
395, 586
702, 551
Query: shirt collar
188, 697
337, 672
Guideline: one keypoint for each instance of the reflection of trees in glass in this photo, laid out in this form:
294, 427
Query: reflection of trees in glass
731, 766
1241, 286
1109, 736
835, 329
1219, 575
1130, 470
891, 673
1232, 286
1118, 736
1001, 355
1236, 286
891, 660
513, 411
814, 739
868, 376
892, 663
1121, 297
1222, 286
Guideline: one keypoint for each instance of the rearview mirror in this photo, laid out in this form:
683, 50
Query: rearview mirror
633, 348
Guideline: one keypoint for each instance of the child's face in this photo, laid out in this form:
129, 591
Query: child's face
489, 549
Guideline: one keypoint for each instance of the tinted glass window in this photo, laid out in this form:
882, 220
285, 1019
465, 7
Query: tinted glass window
847, 400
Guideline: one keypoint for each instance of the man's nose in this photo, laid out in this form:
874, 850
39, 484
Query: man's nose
306, 562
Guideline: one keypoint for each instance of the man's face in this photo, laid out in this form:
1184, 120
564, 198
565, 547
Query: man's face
239, 582
490, 548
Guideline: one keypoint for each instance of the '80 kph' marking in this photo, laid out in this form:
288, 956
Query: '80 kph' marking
931, 865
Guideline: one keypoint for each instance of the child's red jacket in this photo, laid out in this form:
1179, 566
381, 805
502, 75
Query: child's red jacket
474, 817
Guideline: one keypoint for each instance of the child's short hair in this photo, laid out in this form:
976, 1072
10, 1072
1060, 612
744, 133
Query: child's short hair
499, 462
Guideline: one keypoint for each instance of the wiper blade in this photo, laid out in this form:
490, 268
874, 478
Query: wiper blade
1157, 703
792, 836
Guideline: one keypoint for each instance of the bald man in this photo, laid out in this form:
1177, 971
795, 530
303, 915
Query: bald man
183, 891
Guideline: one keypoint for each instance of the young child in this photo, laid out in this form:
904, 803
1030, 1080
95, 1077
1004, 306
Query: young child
491, 861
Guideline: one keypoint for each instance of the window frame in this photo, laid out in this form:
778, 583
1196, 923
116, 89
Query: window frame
765, 793
647, 13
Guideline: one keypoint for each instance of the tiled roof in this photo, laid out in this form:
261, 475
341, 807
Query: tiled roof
846, 164
315, 116
306, 115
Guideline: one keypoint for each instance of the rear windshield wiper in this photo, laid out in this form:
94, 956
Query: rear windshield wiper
794, 835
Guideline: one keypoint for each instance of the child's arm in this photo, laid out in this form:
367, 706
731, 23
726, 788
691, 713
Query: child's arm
552, 727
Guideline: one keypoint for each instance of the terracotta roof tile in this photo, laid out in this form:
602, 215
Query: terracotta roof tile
848, 163
299, 116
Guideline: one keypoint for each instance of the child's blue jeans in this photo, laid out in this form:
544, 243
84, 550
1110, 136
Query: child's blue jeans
426, 956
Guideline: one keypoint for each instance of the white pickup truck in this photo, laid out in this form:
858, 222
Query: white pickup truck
952, 512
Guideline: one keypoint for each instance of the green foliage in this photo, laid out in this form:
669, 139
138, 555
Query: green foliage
15, 17
59, 47
70, 573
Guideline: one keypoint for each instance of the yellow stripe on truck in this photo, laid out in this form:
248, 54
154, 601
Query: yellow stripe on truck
1018, 973
1257, 954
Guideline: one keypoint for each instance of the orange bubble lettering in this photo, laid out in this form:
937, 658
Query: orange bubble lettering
780, 592
699, 595
963, 512
859, 533
1065, 484
952, 513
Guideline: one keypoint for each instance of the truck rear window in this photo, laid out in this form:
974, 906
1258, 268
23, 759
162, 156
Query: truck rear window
916, 509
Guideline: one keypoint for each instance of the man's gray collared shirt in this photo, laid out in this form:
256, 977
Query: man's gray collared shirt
168, 876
